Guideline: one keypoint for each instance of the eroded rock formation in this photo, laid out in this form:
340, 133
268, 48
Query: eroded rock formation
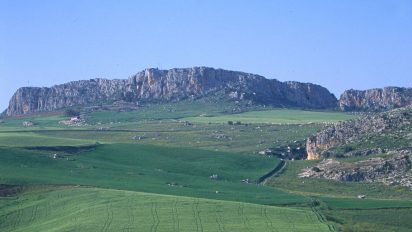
375, 99
174, 84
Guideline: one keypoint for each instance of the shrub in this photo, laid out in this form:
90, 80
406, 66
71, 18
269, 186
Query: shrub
316, 169
71, 112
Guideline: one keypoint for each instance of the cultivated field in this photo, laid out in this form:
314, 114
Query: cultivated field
91, 209
179, 167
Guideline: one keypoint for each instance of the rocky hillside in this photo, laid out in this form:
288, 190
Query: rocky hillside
371, 133
173, 84
395, 169
375, 99
376, 147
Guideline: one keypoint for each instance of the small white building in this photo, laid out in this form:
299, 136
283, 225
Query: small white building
75, 119
28, 123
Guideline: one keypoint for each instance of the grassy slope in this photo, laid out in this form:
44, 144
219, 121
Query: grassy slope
275, 116
20, 139
91, 209
240, 138
315, 187
148, 168
385, 209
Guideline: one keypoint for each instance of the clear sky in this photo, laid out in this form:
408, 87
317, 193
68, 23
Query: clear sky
337, 44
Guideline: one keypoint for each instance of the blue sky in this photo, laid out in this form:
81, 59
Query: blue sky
337, 44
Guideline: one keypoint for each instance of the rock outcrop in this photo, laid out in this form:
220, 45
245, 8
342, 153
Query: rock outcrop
375, 99
174, 84
393, 170
347, 132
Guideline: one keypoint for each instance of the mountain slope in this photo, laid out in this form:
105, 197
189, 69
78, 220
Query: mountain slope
173, 84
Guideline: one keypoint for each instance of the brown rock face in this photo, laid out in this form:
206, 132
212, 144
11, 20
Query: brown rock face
311, 148
173, 84
375, 99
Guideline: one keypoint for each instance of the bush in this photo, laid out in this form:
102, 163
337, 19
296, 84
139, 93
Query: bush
347, 149
71, 112
316, 169
230, 122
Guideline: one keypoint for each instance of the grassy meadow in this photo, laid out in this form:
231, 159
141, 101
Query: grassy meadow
276, 116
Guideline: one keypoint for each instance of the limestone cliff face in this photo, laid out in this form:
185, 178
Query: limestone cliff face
32, 99
174, 84
375, 99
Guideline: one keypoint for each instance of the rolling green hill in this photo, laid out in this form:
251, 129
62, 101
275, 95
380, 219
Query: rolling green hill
91, 209
150, 170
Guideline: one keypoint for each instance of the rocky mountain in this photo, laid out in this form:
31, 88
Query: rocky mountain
371, 133
174, 84
375, 99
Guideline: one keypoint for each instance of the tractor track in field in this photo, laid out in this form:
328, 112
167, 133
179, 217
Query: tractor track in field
290, 222
3, 220
175, 216
155, 217
196, 215
321, 219
109, 217
19, 216
33, 213
268, 222
245, 220
130, 217
219, 220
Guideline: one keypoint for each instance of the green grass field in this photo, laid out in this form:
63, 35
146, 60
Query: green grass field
148, 168
105, 179
91, 209
276, 116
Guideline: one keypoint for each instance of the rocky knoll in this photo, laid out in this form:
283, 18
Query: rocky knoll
394, 170
375, 99
174, 84
351, 131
